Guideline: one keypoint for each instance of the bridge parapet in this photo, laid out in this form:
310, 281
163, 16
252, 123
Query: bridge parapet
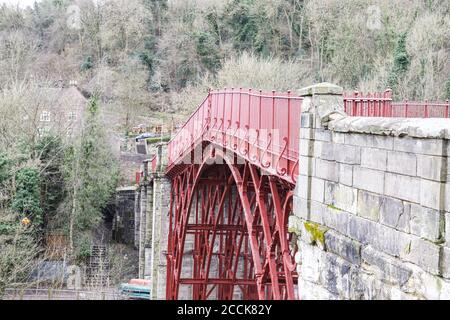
372, 204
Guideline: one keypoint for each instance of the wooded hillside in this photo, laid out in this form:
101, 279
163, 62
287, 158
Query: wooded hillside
141, 54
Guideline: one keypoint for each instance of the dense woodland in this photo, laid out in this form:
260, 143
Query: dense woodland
157, 58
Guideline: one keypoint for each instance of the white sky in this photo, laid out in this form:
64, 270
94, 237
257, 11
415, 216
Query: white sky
22, 3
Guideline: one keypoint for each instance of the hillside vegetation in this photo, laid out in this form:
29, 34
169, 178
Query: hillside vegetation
157, 58
141, 54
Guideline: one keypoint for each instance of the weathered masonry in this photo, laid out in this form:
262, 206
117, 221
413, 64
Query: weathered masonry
151, 209
372, 204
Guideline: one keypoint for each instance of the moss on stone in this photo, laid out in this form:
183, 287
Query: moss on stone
294, 223
317, 232
334, 208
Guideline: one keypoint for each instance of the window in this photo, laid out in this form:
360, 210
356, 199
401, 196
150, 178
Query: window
72, 116
43, 131
45, 116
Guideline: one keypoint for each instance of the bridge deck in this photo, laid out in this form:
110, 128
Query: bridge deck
262, 128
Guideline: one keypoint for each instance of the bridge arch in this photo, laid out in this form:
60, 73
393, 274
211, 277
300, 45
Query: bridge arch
227, 232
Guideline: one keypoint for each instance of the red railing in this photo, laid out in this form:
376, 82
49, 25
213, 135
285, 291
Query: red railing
152, 164
263, 128
380, 104
139, 175
426, 109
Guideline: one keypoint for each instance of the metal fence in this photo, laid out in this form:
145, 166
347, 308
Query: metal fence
380, 104
60, 294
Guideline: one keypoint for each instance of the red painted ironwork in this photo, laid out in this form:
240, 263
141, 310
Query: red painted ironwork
228, 232
380, 104
228, 220
138, 176
263, 128
153, 164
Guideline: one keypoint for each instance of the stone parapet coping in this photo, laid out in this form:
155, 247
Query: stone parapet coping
433, 128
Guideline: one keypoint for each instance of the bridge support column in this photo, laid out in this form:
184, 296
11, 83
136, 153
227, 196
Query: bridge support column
159, 226
145, 227
137, 216
161, 199
322, 103
141, 227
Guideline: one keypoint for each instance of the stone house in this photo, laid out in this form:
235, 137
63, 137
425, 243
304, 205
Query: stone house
64, 111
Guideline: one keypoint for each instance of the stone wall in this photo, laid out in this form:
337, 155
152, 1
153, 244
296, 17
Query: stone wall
151, 228
372, 204
124, 219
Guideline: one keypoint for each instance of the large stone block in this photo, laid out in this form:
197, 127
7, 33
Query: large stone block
359, 139
323, 150
383, 142
312, 260
308, 291
338, 137
318, 189
395, 213
373, 158
390, 241
402, 162
368, 179
369, 205
427, 286
307, 166
422, 253
306, 147
335, 219
431, 147
336, 276
317, 212
402, 187
307, 133
327, 170
341, 197
301, 207
426, 223
445, 263
295, 225
342, 246
347, 154
430, 194
322, 135
302, 188
382, 238
346, 174
307, 120
361, 229
375, 289
388, 268
431, 167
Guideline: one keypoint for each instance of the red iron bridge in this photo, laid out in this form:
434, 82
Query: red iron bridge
233, 167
